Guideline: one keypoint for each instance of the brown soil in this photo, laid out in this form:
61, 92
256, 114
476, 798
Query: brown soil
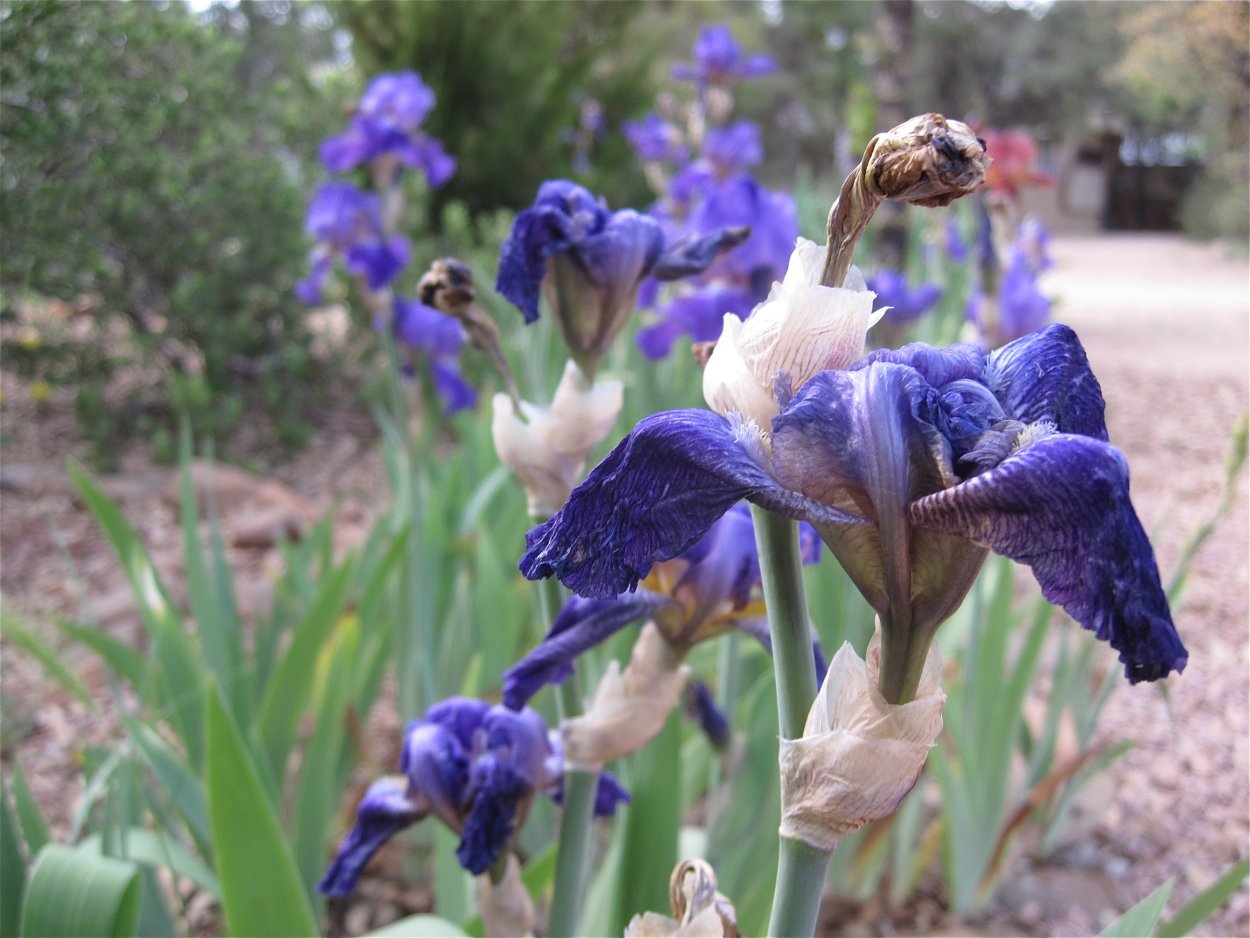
1167, 327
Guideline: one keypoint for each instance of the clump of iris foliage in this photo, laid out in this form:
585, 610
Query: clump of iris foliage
245, 760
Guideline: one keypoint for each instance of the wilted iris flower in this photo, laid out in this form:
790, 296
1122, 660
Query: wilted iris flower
711, 587
347, 223
438, 339
589, 262
476, 768
912, 465
387, 127
719, 60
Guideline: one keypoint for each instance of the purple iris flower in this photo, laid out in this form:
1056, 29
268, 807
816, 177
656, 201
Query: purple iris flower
655, 140
709, 587
718, 60
1033, 237
438, 339
589, 263
348, 223
1020, 306
388, 122
905, 304
733, 148
699, 314
912, 465
956, 247
475, 767
773, 220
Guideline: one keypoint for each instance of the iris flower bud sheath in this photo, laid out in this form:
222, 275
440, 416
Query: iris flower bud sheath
546, 447
858, 756
698, 908
505, 903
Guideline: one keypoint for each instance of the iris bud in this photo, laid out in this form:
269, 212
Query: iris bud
698, 909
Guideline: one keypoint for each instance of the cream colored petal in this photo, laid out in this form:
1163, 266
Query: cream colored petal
506, 908
859, 756
729, 386
547, 450
629, 707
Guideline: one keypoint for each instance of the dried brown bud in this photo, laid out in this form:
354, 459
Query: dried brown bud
928, 160
447, 286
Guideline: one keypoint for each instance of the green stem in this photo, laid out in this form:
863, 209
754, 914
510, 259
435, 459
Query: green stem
577, 822
800, 868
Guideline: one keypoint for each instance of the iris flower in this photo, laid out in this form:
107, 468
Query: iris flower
438, 339
655, 140
476, 768
911, 465
347, 223
1019, 308
589, 263
719, 60
709, 588
387, 123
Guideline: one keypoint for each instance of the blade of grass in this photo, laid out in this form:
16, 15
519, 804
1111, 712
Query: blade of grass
34, 825
1142, 918
261, 890
73, 892
1198, 909
18, 635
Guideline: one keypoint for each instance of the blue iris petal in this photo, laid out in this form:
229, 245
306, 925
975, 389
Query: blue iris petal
652, 498
500, 791
709, 716
581, 624
609, 794
691, 255
938, 366
1046, 376
1061, 505
385, 810
462, 716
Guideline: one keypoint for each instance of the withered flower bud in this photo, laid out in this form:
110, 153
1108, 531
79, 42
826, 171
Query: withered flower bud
698, 909
927, 160
448, 287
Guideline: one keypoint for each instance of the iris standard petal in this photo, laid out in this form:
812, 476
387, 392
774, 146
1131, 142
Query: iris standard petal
652, 498
561, 210
460, 715
580, 625
868, 442
499, 792
938, 366
1046, 376
1061, 505
385, 810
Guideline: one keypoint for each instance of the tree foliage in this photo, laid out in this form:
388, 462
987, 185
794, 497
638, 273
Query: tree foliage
140, 168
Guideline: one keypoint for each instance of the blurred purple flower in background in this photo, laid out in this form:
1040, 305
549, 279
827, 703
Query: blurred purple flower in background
476, 768
733, 148
1019, 308
438, 339
387, 122
905, 305
956, 246
347, 223
654, 139
718, 60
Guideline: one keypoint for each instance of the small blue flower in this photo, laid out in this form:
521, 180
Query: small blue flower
436, 339
711, 587
475, 767
347, 223
912, 466
905, 305
719, 60
733, 148
388, 122
589, 262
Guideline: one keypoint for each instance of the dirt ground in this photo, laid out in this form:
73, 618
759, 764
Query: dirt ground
1167, 327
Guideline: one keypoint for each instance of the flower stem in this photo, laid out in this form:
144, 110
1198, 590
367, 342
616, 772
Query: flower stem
800, 868
577, 821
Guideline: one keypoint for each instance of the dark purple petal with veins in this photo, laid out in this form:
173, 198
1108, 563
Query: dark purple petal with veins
1061, 505
1046, 376
652, 498
499, 793
384, 811
580, 625
869, 442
